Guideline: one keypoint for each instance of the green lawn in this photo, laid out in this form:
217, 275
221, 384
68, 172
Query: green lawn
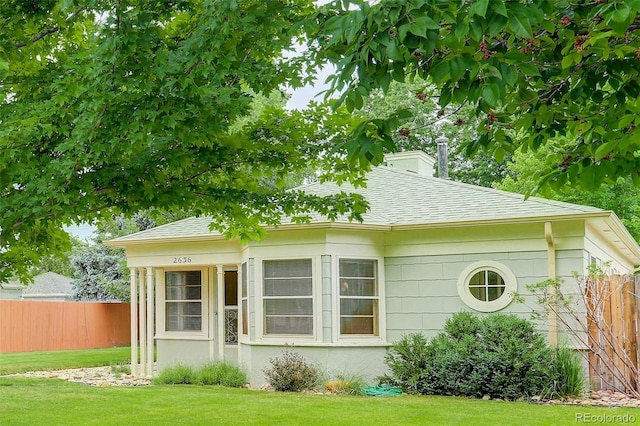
52, 360
29, 401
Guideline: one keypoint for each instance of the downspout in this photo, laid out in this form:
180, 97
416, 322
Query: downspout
551, 273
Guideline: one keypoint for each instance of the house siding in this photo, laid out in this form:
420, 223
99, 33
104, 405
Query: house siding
422, 290
364, 361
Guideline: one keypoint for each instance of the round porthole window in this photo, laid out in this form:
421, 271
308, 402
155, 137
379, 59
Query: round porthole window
487, 286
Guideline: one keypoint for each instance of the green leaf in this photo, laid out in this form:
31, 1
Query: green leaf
491, 94
499, 7
529, 69
520, 25
479, 7
422, 24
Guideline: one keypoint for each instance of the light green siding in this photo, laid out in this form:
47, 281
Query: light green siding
362, 361
422, 290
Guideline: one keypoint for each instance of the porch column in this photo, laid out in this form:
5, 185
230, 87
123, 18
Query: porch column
240, 312
150, 324
221, 313
134, 322
143, 324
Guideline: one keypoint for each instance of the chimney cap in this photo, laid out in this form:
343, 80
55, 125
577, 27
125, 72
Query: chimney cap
442, 139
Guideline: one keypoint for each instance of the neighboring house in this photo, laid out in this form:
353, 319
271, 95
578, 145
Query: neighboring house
11, 291
342, 292
49, 286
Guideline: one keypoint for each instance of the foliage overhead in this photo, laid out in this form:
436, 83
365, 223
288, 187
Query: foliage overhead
621, 196
427, 123
531, 70
112, 107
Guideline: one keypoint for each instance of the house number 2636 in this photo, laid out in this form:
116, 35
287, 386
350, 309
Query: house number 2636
183, 259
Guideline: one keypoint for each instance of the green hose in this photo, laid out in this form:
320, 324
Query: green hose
382, 390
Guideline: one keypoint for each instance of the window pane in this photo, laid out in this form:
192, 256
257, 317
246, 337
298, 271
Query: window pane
356, 306
288, 306
478, 278
357, 325
493, 278
287, 268
231, 288
495, 292
478, 292
245, 280
288, 287
358, 287
245, 318
183, 277
357, 268
288, 325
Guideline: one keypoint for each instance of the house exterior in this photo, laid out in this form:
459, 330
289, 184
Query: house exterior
11, 291
342, 292
49, 286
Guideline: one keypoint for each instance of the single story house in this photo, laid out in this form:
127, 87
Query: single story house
49, 286
342, 292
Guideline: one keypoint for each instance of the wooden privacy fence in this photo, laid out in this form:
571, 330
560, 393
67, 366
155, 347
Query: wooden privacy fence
612, 321
47, 326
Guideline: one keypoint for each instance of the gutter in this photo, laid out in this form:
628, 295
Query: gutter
551, 274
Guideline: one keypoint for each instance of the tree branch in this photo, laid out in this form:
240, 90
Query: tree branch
48, 31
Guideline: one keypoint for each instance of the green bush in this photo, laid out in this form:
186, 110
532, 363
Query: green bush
221, 373
176, 375
497, 355
291, 373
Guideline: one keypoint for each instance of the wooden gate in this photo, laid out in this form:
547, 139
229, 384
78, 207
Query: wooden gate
612, 321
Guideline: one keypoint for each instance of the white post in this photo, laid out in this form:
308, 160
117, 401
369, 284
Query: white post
134, 323
240, 312
143, 324
221, 313
150, 324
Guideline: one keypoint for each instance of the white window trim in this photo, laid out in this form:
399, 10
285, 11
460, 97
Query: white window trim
161, 331
316, 293
510, 281
335, 308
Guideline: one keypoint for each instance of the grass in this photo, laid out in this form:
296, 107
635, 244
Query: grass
28, 401
46, 401
20, 362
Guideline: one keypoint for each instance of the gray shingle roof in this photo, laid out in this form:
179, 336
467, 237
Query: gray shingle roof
49, 283
399, 198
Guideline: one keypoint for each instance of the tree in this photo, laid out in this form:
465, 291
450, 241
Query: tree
112, 107
102, 272
531, 70
60, 263
621, 196
428, 122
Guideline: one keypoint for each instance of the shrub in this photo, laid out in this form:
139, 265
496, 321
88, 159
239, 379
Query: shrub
176, 375
497, 355
221, 373
291, 373
347, 384
569, 380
